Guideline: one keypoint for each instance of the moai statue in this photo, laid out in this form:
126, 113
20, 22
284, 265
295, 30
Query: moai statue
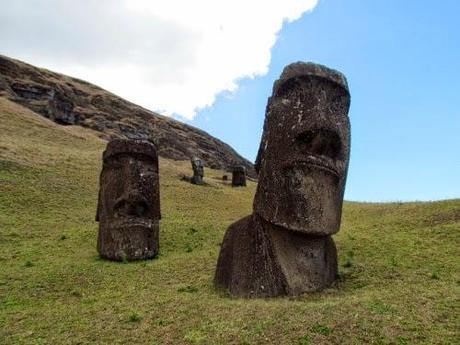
198, 171
239, 176
128, 209
285, 247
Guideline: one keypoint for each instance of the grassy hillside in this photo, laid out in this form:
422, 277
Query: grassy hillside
399, 267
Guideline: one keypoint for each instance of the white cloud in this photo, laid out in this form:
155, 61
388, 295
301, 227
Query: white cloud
172, 56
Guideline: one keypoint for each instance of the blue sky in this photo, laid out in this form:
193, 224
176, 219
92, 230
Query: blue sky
402, 61
401, 58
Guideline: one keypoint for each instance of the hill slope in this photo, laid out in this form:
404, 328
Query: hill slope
398, 262
70, 101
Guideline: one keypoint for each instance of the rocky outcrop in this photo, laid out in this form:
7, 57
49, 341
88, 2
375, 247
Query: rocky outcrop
70, 101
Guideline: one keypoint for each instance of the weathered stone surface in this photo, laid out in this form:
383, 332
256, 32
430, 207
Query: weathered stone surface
198, 171
129, 201
239, 176
285, 246
70, 101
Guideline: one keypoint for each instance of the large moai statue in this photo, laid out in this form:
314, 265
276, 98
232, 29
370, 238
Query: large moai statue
198, 171
128, 209
285, 246
239, 176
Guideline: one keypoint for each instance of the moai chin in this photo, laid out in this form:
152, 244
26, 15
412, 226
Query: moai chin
238, 176
198, 171
128, 209
285, 246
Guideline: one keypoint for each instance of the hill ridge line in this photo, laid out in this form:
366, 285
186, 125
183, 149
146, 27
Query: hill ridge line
71, 101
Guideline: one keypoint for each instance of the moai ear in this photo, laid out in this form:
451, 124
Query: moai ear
98, 205
261, 151
259, 157
98, 208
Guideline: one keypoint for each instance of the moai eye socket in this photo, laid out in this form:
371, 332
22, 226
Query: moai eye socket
120, 208
113, 162
320, 142
126, 207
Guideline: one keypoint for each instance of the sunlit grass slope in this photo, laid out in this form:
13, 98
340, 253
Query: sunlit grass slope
399, 263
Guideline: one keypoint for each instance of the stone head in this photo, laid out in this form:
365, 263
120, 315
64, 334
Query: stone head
239, 176
303, 156
129, 200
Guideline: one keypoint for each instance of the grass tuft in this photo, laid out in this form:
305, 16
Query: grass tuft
435, 276
321, 329
163, 322
134, 317
305, 340
348, 263
188, 289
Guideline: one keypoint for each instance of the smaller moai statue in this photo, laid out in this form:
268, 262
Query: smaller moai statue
128, 209
239, 176
198, 171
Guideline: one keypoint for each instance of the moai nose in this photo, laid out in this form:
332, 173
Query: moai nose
131, 204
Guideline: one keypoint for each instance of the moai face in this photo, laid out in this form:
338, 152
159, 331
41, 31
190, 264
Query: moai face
304, 153
129, 201
198, 171
239, 176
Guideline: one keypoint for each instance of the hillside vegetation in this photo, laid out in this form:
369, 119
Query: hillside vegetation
70, 101
399, 268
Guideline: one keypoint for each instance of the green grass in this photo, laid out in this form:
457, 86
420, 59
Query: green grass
399, 263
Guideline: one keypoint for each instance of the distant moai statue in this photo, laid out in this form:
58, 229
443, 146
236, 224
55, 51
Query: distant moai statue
285, 247
128, 208
198, 171
239, 176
